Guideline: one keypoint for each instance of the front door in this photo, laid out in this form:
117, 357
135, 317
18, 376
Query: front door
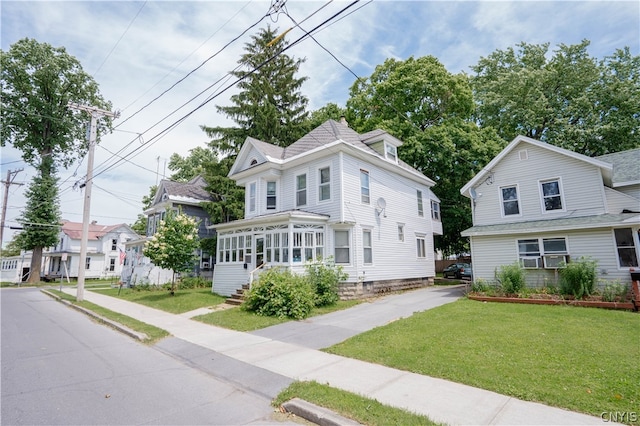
259, 250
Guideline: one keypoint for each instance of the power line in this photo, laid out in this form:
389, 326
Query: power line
215, 95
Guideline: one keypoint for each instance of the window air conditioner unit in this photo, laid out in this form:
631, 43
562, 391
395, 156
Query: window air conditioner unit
205, 265
555, 261
530, 262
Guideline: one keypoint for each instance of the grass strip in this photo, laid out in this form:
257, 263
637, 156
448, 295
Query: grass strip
361, 409
154, 333
581, 359
183, 300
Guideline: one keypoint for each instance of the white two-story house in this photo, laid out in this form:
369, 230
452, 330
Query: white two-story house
105, 251
333, 194
543, 206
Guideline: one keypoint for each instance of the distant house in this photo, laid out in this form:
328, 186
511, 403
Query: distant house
186, 197
104, 259
543, 205
335, 194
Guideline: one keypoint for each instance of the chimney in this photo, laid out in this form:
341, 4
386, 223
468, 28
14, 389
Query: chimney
343, 120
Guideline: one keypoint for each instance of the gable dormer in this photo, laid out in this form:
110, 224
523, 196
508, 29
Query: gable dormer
383, 143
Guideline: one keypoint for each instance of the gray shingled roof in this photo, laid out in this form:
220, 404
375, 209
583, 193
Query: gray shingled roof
195, 189
265, 148
586, 222
626, 165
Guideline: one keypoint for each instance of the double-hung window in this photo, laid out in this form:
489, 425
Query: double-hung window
365, 196
342, 246
421, 251
391, 152
301, 190
271, 195
626, 247
401, 232
252, 197
551, 195
435, 210
510, 202
420, 207
324, 186
114, 244
367, 248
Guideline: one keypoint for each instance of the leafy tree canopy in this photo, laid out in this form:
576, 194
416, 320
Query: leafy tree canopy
568, 99
38, 82
186, 168
421, 103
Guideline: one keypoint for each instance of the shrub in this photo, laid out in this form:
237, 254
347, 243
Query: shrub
614, 291
280, 293
194, 282
511, 278
324, 279
479, 286
578, 278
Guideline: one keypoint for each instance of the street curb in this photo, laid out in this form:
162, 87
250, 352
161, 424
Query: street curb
113, 324
316, 414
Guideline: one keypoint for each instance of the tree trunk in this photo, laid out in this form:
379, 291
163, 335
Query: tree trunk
36, 265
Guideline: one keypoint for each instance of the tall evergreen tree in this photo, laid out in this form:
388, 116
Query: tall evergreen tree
41, 217
269, 107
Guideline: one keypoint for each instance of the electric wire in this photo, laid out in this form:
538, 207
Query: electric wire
215, 95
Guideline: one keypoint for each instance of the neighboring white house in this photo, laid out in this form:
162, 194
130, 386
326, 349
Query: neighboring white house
543, 205
336, 194
104, 259
187, 198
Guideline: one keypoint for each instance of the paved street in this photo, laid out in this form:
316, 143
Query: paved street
61, 368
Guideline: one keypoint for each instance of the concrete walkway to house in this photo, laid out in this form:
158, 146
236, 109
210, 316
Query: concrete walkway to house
441, 400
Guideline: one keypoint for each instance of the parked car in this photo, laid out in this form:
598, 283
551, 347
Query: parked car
455, 270
467, 272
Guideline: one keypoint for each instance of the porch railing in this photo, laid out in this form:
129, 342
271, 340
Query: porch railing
251, 274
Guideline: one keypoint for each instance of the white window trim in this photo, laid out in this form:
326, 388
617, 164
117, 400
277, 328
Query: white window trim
635, 235
563, 200
253, 185
544, 257
370, 231
401, 233
393, 158
420, 201
439, 212
502, 213
363, 171
350, 245
275, 195
423, 238
306, 189
320, 184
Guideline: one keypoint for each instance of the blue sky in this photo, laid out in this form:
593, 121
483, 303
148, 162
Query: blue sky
136, 50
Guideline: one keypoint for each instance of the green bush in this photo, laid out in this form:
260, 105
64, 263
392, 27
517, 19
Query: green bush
280, 293
578, 278
511, 278
194, 282
614, 291
324, 279
479, 286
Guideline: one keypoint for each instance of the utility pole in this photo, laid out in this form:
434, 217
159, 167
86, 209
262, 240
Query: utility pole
11, 175
86, 211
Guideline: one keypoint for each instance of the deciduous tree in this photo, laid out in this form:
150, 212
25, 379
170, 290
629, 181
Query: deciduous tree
567, 98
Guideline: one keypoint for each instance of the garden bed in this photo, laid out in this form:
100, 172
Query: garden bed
554, 299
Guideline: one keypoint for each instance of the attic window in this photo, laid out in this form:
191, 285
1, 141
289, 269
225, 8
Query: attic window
523, 154
165, 196
253, 162
391, 152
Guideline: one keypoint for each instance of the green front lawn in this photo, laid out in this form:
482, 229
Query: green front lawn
182, 301
582, 359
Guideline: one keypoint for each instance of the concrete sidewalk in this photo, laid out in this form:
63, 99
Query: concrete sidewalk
440, 400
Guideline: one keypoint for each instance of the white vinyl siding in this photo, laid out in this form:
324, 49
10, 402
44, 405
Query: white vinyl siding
582, 190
